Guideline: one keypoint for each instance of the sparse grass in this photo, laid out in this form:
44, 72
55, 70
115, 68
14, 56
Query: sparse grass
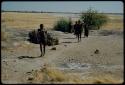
27, 20
115, 22
3, 33
51, 75
113, 26
33, 20
103, 79
3, 36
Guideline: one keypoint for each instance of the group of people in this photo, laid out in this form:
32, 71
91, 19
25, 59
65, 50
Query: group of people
78, 29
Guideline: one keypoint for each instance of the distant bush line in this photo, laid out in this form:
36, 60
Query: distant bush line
55, 12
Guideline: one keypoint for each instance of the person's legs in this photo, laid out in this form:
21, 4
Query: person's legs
84, 33
80, 36
41, 50
76, 34
44, 48
87, 33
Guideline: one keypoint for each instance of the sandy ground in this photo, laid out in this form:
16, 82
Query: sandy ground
70, 57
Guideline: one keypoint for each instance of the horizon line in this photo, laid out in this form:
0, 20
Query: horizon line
54, 12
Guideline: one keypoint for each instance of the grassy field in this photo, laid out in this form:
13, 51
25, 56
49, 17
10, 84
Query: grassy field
27, 20
32, 20
115, 22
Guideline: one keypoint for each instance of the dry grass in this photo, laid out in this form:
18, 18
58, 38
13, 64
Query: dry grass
27, 20
115, 22
49, 75
33, 20
113, 26
3, 36
55, 76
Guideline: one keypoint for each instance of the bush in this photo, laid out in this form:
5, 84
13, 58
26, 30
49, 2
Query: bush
93, 19
51, 39
33, 37
62, 25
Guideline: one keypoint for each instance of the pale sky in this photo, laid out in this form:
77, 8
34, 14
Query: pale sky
63, 6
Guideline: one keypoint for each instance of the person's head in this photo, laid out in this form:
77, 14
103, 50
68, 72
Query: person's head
41, 26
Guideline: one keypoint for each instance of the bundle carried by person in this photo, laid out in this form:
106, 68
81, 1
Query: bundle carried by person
37, 36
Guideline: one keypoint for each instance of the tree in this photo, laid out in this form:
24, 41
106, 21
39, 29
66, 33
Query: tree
93, 19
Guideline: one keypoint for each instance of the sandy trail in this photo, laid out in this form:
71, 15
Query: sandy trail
69, 56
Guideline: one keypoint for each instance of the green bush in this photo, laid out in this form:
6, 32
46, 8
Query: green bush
93, 19
62, 25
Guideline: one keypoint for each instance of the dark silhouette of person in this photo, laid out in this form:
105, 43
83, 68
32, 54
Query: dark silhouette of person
79, 28
75, 28
42, 38
86, 30
70, 25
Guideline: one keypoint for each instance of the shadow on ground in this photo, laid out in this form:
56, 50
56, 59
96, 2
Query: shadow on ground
69, 38
21, 57
69, 42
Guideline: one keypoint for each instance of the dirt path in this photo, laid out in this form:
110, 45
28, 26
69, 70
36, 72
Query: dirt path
69, 56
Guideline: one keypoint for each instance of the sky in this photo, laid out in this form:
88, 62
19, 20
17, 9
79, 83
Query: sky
63, 6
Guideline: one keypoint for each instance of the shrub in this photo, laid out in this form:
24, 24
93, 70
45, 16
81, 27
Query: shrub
93, 19
51, 39
62, 25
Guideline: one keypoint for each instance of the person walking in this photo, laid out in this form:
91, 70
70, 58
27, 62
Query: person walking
79, 28
75, 28
42, 38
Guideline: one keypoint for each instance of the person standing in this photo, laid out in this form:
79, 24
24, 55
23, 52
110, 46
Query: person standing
70, 25
75, 28
86, 30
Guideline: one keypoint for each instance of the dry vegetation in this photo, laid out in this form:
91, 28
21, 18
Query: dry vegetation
27, 20
54, 76
32, 20
115, 22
